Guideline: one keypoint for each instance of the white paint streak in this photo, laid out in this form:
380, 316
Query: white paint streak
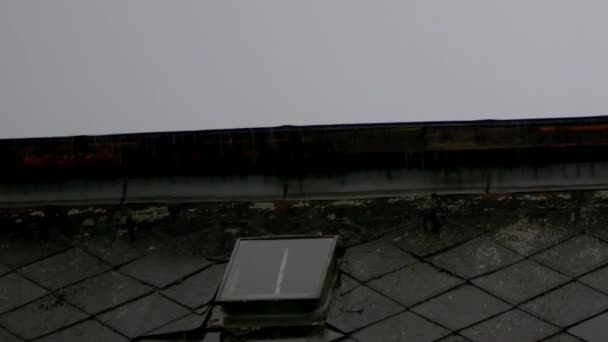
277, 289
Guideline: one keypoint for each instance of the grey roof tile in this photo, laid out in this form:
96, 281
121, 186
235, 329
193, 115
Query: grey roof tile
349, 232
521, 281
198, 289
103, 292
359, 308
186, 323
575, 256
528, 235
419, 240
595, 224
374, 259
143, 315
16, 291
115, 245
454, 338
347, 283
163, 268
41, 317
514, 325
4, 269
593, 330
5, 336
403, 327
597, 279
563, 338
331, 335
414, 283
461, 307
475, 258
26, 248
411, 283
89, 331
568, 304
64, 269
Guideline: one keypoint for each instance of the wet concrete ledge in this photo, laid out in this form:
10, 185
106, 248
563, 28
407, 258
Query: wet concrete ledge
361, 184
342, 216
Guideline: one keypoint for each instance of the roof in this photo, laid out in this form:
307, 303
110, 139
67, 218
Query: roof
500, 267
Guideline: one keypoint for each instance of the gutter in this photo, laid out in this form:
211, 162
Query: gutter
308, 162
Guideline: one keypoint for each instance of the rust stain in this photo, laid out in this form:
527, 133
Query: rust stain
284, 205
320, 147
494, 196
577, 128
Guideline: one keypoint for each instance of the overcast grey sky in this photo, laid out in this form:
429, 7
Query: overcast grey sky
72, 67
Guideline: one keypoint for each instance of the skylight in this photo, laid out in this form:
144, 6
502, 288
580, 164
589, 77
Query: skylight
277, 281
277, 269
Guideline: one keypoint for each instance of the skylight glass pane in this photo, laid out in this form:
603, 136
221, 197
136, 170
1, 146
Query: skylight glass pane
274, 269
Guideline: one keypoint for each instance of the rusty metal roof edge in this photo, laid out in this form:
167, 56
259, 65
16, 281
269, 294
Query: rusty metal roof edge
301, 151
349, 126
